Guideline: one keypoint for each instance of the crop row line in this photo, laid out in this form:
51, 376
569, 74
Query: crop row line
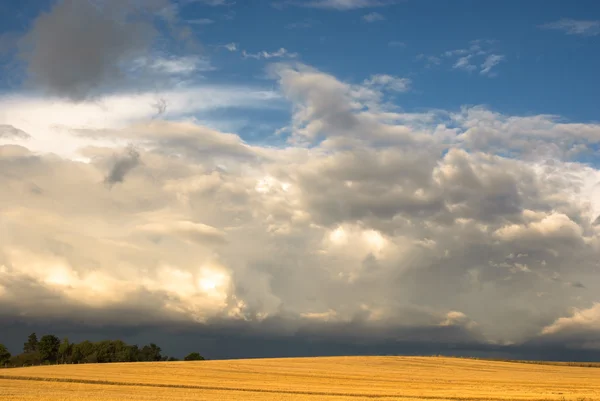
253, 390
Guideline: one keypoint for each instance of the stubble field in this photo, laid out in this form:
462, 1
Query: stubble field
329, 379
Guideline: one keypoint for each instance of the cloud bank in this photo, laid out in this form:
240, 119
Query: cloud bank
404, 227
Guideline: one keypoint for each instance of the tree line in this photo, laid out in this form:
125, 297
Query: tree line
49, 350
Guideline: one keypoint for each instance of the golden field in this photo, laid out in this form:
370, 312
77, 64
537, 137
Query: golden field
329, 379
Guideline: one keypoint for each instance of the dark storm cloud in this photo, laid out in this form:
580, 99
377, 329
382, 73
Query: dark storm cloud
276, 336
80, 46
236, 341
122, 166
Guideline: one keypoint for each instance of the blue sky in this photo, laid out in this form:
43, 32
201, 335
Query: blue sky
377, 167
542, 70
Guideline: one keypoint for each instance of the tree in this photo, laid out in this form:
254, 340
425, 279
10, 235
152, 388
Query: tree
26, 359
32, 343
132, 353
150, 353
194, 356
77, 354
65, 350
48, 347
82, 351
105, 351
4, 355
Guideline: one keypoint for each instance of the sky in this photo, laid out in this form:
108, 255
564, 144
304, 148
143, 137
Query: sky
320, 177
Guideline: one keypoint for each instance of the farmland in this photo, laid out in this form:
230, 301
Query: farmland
331, 379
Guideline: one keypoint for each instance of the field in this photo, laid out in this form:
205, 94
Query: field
329, 379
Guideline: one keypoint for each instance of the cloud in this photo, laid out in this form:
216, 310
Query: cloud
579, 330
281, 53
390, 82
214, 3
463, 63
161, 106
174, 10
430, 60
373, 17
529, 137
232, 47
122, 166
63, 127
490, 62
323, 105
346, 4
200, 21
465, 58
575, 27
177, 65
8, 131
186, 139
369, 226
77, 47
194, 232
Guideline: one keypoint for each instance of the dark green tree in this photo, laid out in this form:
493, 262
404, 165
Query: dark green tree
150, 353
48, 347
76, 354
31, 344
105, 351
92, 358
122, 352
82, 351
132, 353
4, 355
194, 356
26, 359
64, 351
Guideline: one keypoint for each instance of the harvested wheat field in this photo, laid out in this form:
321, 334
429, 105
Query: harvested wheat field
330, 379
